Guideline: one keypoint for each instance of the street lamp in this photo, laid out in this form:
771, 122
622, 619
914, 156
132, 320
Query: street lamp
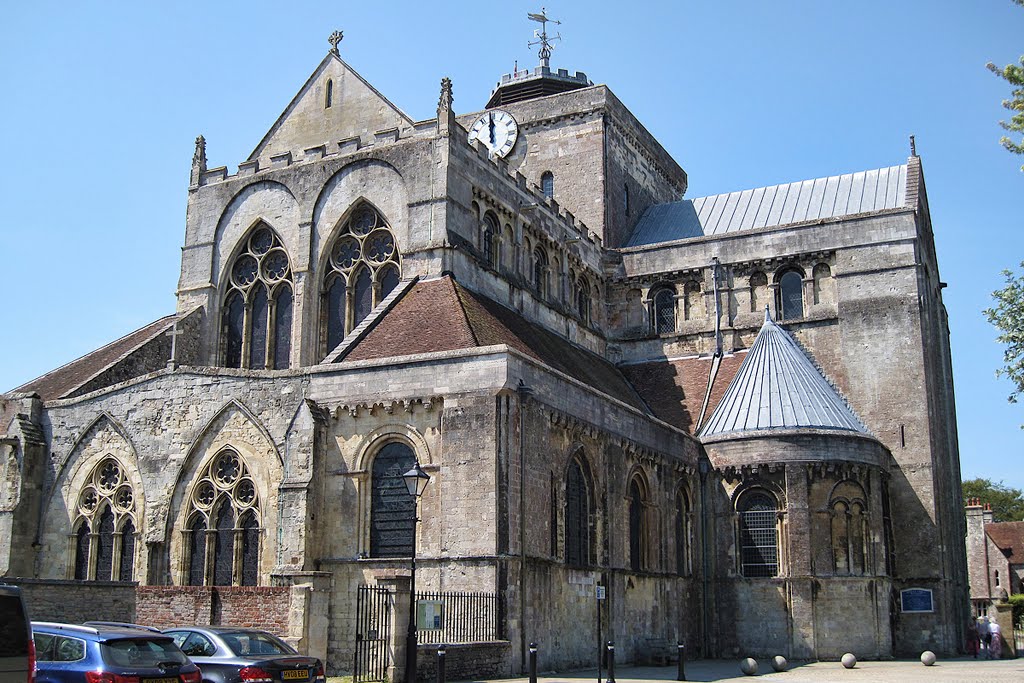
415, 481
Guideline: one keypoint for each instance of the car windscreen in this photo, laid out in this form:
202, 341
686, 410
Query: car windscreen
250, 643
13, 629
142, 652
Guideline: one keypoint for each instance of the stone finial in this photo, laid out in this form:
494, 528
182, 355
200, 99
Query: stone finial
445, 102
913, 147
334, 39
199, 156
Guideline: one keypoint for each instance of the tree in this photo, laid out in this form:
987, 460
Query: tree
1014, 75
1007, 503
1008, 317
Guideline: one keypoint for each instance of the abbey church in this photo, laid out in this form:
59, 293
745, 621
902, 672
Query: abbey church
731, 418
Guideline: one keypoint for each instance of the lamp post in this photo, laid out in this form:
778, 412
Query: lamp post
416, 481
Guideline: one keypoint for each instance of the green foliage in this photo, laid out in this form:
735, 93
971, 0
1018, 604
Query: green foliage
1007, 503
1014, 75
1008, 317
1017, 600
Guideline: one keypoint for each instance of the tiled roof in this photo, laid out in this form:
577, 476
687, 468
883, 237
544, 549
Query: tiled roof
441, 315
764, 207
779, 387
674, 389
66, 379
1009, 537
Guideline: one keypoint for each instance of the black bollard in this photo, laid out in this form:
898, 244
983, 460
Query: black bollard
533, 662
440, 663
611, 662
681, 674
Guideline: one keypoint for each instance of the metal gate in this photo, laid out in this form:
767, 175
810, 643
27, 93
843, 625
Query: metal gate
373, 633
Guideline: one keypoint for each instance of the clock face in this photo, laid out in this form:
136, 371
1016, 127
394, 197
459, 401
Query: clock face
497, 130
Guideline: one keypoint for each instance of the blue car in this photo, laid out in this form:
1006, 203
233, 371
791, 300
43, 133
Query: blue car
69, 653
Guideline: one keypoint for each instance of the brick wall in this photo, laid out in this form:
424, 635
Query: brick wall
263, 607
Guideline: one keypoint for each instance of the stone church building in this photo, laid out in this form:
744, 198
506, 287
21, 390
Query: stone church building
734, 414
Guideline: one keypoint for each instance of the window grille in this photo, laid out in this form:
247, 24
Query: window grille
665, 312
759, 536
791, 297
392, 509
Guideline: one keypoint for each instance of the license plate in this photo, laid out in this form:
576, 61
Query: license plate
294, 675
160, 680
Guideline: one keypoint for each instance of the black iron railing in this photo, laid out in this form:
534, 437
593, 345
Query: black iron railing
460, 617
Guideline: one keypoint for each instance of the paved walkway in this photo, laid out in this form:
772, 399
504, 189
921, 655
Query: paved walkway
949, 671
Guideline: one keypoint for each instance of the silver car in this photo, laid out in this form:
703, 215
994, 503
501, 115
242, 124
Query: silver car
228, 654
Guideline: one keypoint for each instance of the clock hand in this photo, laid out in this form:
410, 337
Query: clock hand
490, 126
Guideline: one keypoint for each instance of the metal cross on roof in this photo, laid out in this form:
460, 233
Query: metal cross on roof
542, 36
334, 39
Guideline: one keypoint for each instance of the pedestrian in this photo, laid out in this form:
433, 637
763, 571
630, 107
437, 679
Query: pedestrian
972, 638
984, 636
995, 647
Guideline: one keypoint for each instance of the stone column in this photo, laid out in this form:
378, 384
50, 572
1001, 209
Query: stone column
308, 611
798, 557
400, 586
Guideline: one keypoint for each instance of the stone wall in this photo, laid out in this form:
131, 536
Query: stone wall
465, 661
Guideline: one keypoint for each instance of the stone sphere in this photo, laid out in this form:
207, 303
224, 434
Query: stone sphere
779, 663
849, 660
749, 666
928, 658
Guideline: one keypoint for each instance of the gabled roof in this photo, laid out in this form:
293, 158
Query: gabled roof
357, 109
1008, 537
441, 315
766, 207
779, 387
65, 380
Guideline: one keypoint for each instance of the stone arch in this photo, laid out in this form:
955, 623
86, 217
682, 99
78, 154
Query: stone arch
269, 200
848, 528
758, 537
683, 512
638, 505
104, 440
234, 427
789, 293
580, 518
824, 284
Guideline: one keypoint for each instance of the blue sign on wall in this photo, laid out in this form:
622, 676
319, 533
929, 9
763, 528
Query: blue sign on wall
916, 600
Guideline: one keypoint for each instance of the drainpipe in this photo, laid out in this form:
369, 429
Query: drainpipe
703, 466
718, 308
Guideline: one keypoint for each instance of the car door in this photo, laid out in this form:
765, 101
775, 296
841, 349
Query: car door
206, 655
14, 638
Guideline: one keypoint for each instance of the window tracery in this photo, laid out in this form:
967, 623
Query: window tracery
104, 536
257, 316
223, 524
362, 268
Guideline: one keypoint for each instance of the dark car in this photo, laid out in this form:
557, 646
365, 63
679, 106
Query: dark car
70, 653
17, 654
234, 655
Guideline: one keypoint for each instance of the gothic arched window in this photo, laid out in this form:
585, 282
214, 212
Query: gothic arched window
257, 315
362, 268
683, 540
224, 493
547, 184
578, 515
583, 299
637, 525
105, 528
759, 542
665, 311
492, 240
392, 509
540, 271
790, 304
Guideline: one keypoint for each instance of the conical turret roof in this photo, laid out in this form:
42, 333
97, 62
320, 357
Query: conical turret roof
779, 387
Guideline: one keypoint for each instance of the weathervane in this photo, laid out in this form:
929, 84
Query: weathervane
542, 36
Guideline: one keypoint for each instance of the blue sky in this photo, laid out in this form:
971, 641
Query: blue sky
102, 102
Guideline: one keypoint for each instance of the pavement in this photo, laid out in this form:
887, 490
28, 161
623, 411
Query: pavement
960, 670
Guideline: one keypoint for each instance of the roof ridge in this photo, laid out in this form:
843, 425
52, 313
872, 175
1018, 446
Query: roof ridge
462, 307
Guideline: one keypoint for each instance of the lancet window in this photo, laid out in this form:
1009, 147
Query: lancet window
540, 271
758, 530
222, 532
683, 534
547, 184
392, 509
637, 525
492, 240
104, 531
363, 267
579, 510
257, 320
